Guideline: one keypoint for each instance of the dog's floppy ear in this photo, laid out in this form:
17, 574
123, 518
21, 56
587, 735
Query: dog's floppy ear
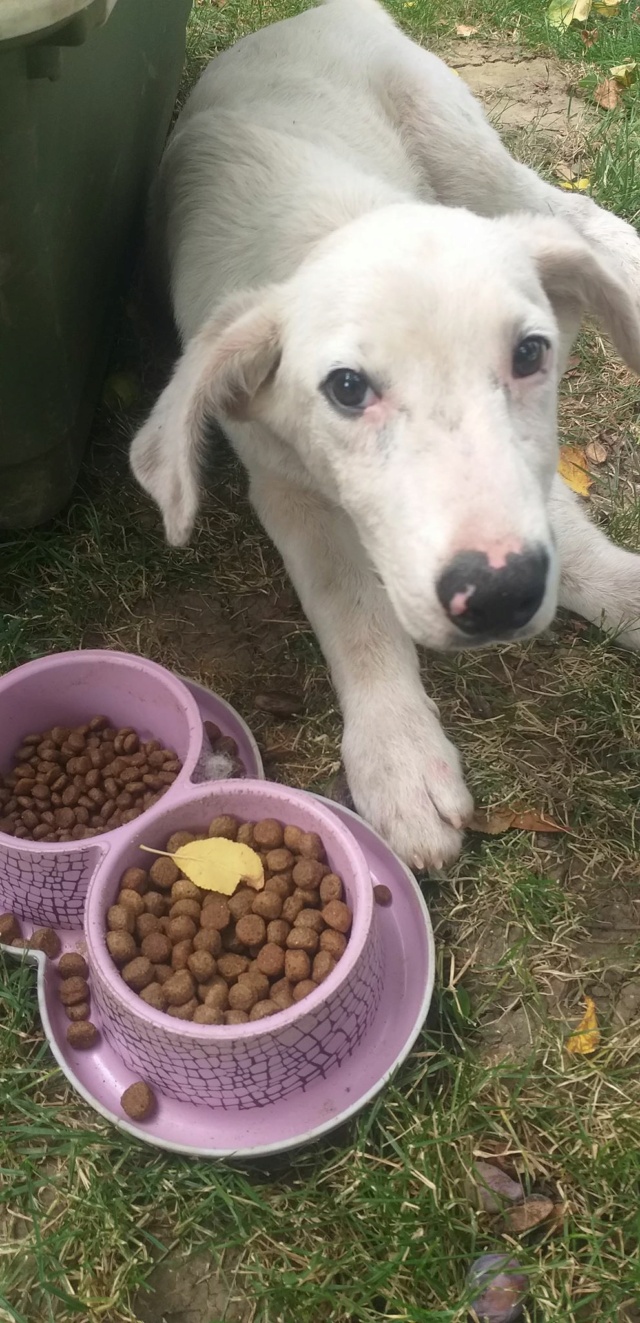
578, 278
219, 374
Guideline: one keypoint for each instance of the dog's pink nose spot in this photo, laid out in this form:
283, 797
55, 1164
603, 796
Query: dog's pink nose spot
497, 555
460, 601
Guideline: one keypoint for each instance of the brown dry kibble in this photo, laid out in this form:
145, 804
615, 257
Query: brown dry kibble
262, 1009
121, 947
259, 981
308, 874
155, 904
331, 888
278, 931
310, 919
291, 908
120, 919
190, 908
208, 939
297, 966
135, 879
215, 913
163, 973
133, 901
163, 873
9, 928
182, 929
146, 924
303, 939
310, 898
183, 889
242, 996
282, 994
270, 960
157, 948
185, 1011
225, 825
303, 989
231, 966
279, 861
241, 902
208, 1015
251, 930
310, 846
281, 884
138, 1101
79, 1011
382, 895
177, 841
73, 990
180, 954
338, 916
217, 995
323, 965
180, 988
154, 995
236, 1017
267, 905
333, 942
202, 965
82, 1035
292, 838
138, 973
47, 940
245, 834
268, 834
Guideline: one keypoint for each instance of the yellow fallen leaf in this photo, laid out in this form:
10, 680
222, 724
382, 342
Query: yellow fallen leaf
587, 1036
497, 821
562, 13
625, 74
572, 466
607, 94
607, 8
462, 30
576, 185
217, 864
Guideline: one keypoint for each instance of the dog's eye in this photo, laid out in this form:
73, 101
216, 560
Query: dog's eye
529, 355
349, 390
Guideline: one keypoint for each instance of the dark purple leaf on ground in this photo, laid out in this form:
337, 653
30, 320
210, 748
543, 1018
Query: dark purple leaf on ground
502, 1288
495, 1188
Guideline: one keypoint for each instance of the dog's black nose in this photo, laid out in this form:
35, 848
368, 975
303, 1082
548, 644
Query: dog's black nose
481, 600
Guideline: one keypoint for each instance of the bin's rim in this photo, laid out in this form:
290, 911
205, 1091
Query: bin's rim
41, 18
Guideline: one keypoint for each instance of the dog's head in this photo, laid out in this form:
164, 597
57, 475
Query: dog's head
410, 371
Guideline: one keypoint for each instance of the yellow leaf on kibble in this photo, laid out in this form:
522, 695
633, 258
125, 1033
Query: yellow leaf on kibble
625, 74
587, 1036
220, 865
572, 466
562, 13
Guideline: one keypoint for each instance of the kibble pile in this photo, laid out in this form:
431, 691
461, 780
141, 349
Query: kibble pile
213, 959
67, 785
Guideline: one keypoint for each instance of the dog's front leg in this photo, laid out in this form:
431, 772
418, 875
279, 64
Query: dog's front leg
597, 579
403, 773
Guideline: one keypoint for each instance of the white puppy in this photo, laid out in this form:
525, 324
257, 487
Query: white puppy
376, 302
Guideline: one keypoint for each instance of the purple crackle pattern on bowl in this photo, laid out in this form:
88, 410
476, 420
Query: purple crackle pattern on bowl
258, 1063
50, 889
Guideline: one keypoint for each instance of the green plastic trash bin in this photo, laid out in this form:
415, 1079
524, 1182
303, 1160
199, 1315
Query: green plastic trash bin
87, 88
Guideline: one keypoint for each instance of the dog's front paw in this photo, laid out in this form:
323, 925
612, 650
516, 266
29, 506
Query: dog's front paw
405, 779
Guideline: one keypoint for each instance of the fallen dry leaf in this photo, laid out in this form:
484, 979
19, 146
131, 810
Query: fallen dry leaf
589, 36
572, 466
279, 703
218, 864
606, 8
563, 171
586, 1037
607, 94
500, 820
576, 185
596, 453
496, 1188
562, 13
573, 362
529, 1214
462, 30
625, 74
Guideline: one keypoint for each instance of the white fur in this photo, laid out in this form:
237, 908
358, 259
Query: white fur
333, 196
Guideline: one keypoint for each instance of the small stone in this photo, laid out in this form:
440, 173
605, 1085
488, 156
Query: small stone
503, 1288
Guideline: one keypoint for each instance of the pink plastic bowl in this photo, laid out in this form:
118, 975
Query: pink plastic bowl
47, 882
250, 1065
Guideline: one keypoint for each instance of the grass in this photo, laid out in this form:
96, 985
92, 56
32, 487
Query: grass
380, 1223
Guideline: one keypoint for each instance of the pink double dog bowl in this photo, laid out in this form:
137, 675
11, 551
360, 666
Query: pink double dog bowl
222, 1091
